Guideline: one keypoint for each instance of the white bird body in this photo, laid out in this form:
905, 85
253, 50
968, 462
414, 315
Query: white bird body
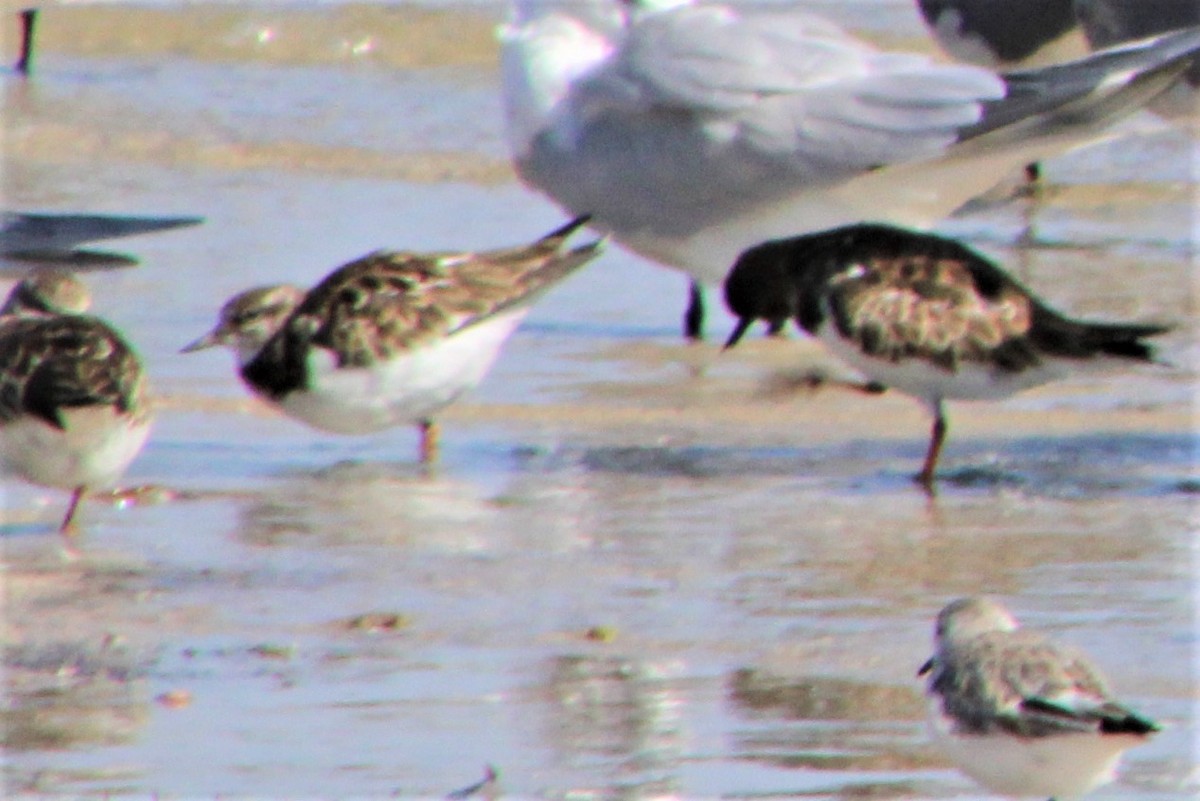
691, 132
93, 449
1021, 715
1062, 767
393, 337
400, 391
74, 407
971, 381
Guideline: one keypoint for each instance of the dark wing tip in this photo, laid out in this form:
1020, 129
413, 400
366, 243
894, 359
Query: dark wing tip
1111, 718
1127, 722
565, 231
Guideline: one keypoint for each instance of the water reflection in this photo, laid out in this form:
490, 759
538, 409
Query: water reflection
700, 521
370, 502
618, 720
865, 734
62, 696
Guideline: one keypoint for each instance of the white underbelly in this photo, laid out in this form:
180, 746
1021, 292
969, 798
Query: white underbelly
403, 391
929, 382
1056, 766
94, 450
916, 194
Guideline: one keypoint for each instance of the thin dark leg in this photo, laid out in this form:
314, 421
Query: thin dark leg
68, 524
430, 441
693, 318
28, 19
936, 437
775, 327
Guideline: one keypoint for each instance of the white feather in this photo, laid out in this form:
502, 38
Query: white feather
403, 390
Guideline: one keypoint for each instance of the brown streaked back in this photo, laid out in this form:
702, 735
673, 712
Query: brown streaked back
388, 302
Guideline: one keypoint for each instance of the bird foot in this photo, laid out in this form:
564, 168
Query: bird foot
143, 495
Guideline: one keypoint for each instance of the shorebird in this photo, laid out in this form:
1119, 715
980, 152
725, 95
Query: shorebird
692, 131
73, 405
923, 314
393, 337
1018, 714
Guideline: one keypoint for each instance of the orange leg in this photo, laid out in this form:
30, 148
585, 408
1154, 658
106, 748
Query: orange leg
936, 437
68, 524
430, 441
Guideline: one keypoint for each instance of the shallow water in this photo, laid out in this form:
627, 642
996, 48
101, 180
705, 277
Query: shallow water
641, 568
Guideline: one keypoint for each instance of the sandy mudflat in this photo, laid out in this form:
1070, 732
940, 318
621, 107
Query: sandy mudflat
641, 568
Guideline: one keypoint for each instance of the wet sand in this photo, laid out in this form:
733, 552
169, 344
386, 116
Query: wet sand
642, 567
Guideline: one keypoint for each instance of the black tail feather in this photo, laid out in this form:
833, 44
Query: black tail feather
1110, 718
1081, 339
1123, 340
1127, 722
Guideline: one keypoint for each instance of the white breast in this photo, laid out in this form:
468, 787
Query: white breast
922, 379
1056, 766
404, 390
96, 446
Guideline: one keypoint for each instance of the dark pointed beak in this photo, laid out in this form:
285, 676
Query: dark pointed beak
742, 326
209, 340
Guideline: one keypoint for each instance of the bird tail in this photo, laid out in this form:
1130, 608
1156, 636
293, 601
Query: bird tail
1081, 339
1091, 92
538, 266
1108, 717
1123, 339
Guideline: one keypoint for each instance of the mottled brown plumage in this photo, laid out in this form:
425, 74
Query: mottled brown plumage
393, 337
73, 405
922, 313
389, 302
898, 294
51, 364
931, 308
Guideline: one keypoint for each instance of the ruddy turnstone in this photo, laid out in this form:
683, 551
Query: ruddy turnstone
390, 338
73, 406
1018, 714
923, 314
691, 131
